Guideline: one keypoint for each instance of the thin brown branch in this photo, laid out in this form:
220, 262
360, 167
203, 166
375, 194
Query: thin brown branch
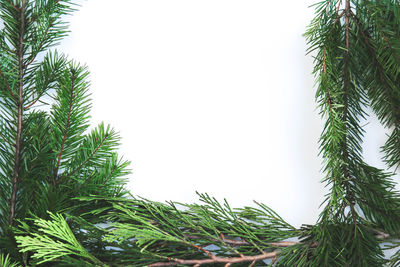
339, 16
20, 110
85, 161
284, 244
7, 85
14, 6
33, 57
234, 242
216, 260
107, 179
381, 235
32, 103
49, 81
395, 55
209, 254
2, 138
66, 126
347, 22
338, 6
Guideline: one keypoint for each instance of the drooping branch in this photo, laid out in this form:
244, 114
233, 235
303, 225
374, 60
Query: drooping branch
346, 85
395, 109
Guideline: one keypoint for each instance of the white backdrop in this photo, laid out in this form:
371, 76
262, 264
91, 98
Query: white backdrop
209, 95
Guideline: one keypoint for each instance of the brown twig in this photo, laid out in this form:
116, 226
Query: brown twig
338, 6
32, 103
395, 55
7, 85
49, 81
209, 254
226, 260
85, 161
14, 6
108, 178
339, 16
241, 258
234, 242
5, 140
40, 45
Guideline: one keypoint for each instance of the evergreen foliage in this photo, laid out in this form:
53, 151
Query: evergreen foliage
62, 201
46, 157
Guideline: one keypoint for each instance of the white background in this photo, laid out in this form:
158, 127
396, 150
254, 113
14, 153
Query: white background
210, 95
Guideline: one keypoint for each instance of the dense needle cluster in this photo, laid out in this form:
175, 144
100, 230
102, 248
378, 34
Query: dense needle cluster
62, 197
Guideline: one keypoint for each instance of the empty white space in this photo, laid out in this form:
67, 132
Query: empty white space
212, 96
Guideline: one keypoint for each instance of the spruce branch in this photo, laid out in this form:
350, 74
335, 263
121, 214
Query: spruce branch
20, 108
46, 74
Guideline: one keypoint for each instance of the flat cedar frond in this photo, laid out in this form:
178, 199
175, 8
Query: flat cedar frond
54, 240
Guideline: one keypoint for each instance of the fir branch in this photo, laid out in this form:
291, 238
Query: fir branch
69, 115
20, 55
33, 57
66, 127
346, 83
395, 109
88, 158
46, 74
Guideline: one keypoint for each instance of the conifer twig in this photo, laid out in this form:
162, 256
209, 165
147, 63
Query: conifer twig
7, 85
227, 260
66, 126
20, 107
